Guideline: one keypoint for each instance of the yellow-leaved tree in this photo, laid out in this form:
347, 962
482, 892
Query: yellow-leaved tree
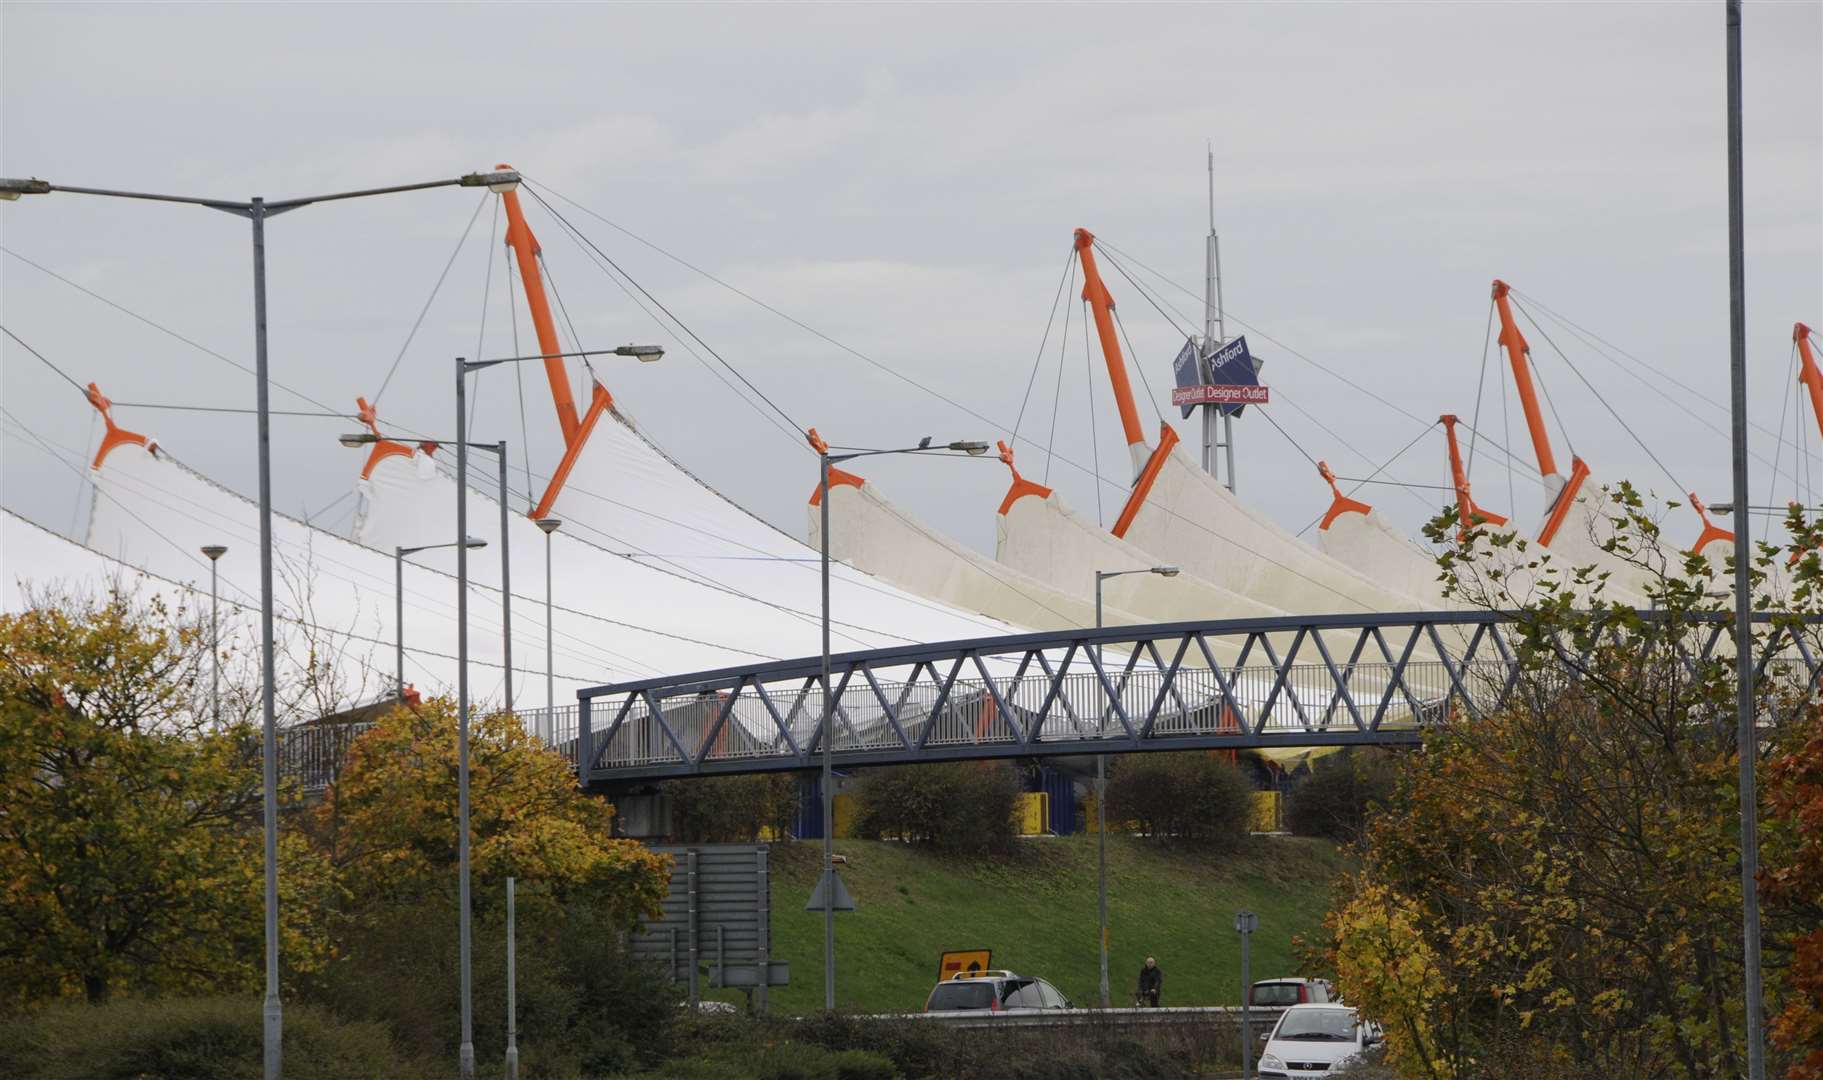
388, 823
130, 841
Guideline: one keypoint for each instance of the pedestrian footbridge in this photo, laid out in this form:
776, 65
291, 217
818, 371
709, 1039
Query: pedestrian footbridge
1243, 684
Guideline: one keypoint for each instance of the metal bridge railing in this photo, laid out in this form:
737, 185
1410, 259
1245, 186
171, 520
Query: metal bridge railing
314, 754
1283, 682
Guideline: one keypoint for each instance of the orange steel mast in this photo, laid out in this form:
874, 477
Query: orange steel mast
1808, 374
1519, 355
1102, 304
525, 247
1467, 513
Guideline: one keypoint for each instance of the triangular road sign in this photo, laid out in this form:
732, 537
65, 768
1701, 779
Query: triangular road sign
842, 901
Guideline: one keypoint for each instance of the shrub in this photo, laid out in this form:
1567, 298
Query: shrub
731, 809
583, 1005
193, 1038
1192, 795
963, 806
1334, 799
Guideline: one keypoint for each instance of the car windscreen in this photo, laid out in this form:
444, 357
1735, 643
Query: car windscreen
1275, 994
1318, 1025
961, 995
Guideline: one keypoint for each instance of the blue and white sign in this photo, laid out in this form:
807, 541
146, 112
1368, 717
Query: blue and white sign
1232, 365
1189, 371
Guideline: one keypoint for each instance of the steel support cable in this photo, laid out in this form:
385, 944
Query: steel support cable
1063, 347
431, 299
1791, 391
1385, 465
172, 498
309, 518
1589, 335
671, 568
487, 294
1681, 489
233, 409
1088, 364
354, 575
656, 302
796, 438
167, 331
1145, 294
1157, 413
1506, 434
1602, 349
1049, 321
64, 375
963, 408
1257, 332
1487, 338
525, 435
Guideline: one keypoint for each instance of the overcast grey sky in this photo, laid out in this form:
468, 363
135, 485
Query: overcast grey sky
905, 179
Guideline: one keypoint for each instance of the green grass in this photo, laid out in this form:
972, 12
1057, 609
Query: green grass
1036, 911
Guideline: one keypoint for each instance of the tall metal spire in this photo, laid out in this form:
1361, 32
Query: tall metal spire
1215, 440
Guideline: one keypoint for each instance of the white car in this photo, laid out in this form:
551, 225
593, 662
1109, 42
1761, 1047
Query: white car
1315, 1040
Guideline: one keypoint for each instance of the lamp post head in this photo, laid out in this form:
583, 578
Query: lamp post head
12, 189
1165, 571
972, 449
214, 551
645, 354
499, 181
471, 542
357, 439
549, 525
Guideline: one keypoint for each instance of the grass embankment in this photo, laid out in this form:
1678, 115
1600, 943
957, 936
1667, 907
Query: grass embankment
1036, 911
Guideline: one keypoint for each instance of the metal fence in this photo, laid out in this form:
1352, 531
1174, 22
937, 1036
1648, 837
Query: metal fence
313, 754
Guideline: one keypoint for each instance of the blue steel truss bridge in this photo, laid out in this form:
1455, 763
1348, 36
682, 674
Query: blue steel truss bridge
1288, 682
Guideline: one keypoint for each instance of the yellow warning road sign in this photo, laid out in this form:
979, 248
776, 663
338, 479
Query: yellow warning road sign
963, 963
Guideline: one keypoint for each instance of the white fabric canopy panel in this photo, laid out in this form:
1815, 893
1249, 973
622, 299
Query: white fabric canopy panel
869, 532
1377, 551
643, 537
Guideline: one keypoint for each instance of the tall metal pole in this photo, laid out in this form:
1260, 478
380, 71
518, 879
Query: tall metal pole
550, 651
274, 1027
1101, 829
465, 1054
829, 817
215, 643
506, 584
398, 616
1746, 737
512, 1000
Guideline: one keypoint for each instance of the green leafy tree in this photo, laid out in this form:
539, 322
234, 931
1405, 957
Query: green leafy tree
731, 809
1552, 888
130, 849
1334, 800
965, 806
1194, 795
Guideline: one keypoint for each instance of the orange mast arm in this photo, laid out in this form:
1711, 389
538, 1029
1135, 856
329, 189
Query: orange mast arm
1808, 373
1102, 305
1518, 352
525, 246
1467, 513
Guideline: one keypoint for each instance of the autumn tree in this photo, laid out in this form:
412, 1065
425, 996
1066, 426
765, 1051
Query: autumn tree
1792, 876
388, 823
1552, 888
130, 851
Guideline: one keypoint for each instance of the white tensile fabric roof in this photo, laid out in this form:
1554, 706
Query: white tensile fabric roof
643, 540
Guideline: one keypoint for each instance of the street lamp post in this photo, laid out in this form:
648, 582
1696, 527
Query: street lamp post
1101, 787
215, 552
644, 353
548, 732
256, 211
827, 880
398, 598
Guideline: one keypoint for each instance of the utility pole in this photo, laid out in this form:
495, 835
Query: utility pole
1747, 743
